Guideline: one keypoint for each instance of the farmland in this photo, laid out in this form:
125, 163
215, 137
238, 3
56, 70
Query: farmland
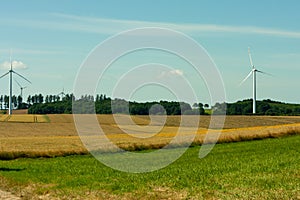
260, 169
24, 118
56, 134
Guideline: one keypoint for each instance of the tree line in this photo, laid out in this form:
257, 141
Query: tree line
264, 107
105, 105
101, 104
17, 102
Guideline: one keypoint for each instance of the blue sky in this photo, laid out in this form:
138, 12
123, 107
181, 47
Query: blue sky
51, 39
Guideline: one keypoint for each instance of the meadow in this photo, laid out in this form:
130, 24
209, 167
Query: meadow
262, 169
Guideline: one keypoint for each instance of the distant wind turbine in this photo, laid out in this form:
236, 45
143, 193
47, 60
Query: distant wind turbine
10, 72
62, 93
253, 73
21, 88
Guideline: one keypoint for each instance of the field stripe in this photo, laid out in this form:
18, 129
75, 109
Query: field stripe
26, 118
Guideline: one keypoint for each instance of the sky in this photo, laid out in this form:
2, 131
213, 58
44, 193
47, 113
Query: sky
50, 40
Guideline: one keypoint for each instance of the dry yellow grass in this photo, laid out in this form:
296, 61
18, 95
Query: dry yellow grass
230, 121
4, 118
61, 118
21, 118
59, 136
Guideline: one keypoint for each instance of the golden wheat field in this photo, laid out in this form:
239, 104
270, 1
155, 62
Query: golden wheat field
55, 135
24, 118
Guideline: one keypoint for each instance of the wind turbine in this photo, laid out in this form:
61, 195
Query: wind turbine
62, 94
253, 73
10, 72
21, 88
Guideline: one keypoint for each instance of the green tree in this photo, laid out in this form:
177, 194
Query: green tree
47, 99
40, 98
20, 101
6, 101
1, 101
29, 100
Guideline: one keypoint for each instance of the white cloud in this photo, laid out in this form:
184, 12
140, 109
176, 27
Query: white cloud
176, 72
171, 73
15, 64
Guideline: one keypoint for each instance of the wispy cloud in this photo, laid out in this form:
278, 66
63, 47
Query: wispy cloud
104, 25
32, 51
65, 22
15, 64
171, 73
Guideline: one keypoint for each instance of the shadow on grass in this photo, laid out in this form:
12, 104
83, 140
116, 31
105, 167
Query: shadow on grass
5, 169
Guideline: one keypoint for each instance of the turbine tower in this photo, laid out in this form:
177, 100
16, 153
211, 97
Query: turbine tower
21, 88
253, 73
10, 72
62, 94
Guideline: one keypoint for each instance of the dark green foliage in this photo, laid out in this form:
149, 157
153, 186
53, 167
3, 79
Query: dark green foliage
51, 108
17, 102
53, 104
265, 107
105, 105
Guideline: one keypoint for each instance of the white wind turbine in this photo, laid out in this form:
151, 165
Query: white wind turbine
253, 73
62, 93
21, 88
10, 72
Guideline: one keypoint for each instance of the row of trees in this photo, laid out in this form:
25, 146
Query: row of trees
101, 104
17, 102
105, 105
39, 98
265, 107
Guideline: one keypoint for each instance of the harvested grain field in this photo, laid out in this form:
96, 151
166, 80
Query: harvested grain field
24, 118
57, 134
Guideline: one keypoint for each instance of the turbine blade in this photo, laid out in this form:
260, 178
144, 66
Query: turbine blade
18, 83
22, 76
250, 58
10, 59
246, 77
4, 74
264, 73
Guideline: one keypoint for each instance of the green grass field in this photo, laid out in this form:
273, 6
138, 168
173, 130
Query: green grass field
263, 169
